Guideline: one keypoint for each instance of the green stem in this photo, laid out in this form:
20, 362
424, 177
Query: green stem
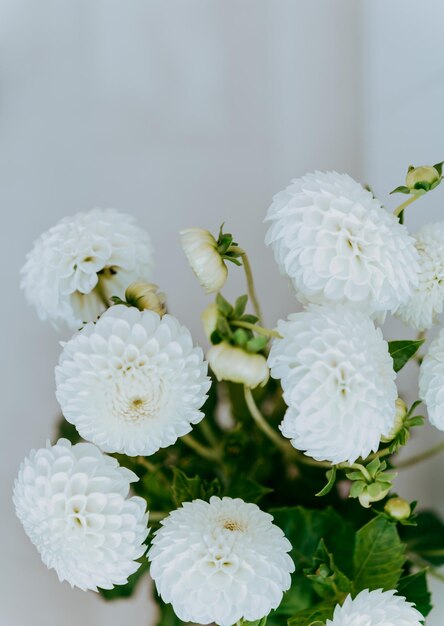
262, 422
423, 456
207, 453
141, 460
397, 212
260, 330
208, 433
250, 281
156, 516
361, 468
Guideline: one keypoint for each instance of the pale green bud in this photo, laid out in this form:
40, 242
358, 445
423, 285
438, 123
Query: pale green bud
401, 412
145, 296
373, 493
398, 508
422, 177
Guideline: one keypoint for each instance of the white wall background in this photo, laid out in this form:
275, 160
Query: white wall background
184, 113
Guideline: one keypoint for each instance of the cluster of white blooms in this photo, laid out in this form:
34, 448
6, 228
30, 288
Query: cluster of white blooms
220, 561
132, 382
431, 381
376, 608
74, 506
78, 264
337, 244
426, 302
338, 381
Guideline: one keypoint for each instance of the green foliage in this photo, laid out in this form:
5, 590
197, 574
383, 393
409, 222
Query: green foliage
126, 591
426, 539
402, 351
378, 557
414, 589
313, 616
186, 489
331, 479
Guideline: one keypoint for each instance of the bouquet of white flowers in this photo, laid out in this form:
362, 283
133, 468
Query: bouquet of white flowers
279, 506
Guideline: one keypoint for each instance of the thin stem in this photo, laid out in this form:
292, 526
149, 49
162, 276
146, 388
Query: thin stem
423, 456
250, 281
207, 453
208, 433
361, 468
260, 330
417, 560
156, 516
397, 212
141, 460
261, 421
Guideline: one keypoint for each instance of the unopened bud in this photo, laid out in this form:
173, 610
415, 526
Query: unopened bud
201, 250
398, 508
401, 412
146, 296
422, 177
373, 493
209, 319
238, 366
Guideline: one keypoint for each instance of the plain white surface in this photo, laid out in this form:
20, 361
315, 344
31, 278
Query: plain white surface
185, 114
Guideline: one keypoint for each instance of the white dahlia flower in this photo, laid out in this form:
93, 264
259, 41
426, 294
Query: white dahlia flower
132, 382
74, 506
426, 301
81, 262
337, 244
220, 561
338, 381
431, 381
376, 608
200, 248
237, 365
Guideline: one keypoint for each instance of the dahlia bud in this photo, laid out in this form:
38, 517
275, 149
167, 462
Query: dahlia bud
145, 296
398, 509
373, 493
423, 177
201, 250
209, 319
401, 412
238, 366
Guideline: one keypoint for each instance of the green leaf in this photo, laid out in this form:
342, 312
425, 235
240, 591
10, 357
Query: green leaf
313, 616
402, 351
240, 337
426, 538
239, 306
249, 490
328, 578
223, 305
438, 167
331, 478
257, 344
167, 616
414, 588
378, 557
401, 189
184, 488
247, 317
126, 591
223, 328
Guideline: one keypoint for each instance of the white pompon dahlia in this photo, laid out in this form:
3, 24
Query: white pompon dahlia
431, 381
82, 261
74, 506
132, 382
200, 248
426, 301
337, 244
376, 608
338, 382
220, 561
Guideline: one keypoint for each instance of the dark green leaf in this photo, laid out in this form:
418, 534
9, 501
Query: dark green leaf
331, 478
426, 538
327, 577
251, 319
378, 557
223, 328
184, 488
239, 306
167, 616
249, 490
313, 616
402, 351
438, 167
223, 305
414, 588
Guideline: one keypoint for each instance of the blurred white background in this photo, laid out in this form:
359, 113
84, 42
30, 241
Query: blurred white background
190, 113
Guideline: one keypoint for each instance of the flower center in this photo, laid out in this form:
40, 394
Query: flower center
233, 525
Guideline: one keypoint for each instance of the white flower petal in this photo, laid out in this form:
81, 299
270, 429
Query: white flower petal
376, 608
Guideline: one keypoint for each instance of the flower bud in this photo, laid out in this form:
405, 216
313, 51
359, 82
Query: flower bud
373, 493
209, 319
401, 412
398, 508
238, 366
146, 296
422, 177
201, 250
